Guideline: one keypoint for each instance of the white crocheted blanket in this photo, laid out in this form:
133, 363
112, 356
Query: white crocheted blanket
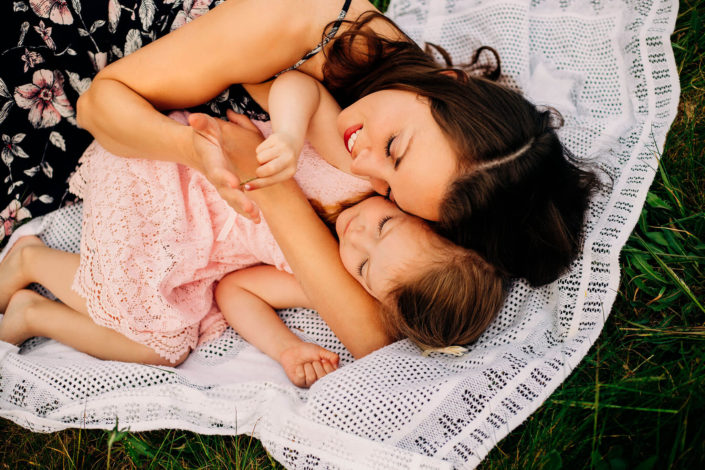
607, 66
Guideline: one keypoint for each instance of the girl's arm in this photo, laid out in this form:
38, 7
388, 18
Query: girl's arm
292, 100
308, 246
247, 299
300, 108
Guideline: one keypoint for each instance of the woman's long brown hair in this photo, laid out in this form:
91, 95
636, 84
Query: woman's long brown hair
519, 198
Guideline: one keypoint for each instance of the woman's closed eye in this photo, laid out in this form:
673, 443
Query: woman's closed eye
388, 150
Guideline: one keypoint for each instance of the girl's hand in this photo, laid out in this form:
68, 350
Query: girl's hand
305, 363
208, 144
277, 156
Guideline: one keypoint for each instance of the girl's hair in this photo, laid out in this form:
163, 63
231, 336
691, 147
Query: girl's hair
451, 300
519, 198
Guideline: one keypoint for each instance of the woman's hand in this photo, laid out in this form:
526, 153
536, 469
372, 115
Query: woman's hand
208, 143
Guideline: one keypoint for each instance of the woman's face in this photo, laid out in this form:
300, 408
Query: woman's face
379, 243
395, 141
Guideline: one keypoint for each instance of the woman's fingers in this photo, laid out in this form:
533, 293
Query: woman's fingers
242, 204
206, 126
264, 182
241, 120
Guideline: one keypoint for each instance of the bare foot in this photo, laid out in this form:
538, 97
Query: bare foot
304, 363
14, 327
12, 276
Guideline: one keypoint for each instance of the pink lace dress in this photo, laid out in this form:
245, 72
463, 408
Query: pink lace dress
157, 237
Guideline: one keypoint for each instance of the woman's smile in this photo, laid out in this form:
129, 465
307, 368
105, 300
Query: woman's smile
350, 136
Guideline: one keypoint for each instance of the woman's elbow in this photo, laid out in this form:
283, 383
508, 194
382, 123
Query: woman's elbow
84, 108
86, 105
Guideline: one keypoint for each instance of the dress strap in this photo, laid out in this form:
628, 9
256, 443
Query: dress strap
330, 35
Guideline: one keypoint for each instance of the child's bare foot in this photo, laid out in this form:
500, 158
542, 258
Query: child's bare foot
14, 327
12, 276
304, 363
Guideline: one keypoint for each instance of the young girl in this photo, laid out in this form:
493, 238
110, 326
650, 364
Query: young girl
155, 289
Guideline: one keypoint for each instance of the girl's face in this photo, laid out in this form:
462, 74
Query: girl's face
395, 141
379, 242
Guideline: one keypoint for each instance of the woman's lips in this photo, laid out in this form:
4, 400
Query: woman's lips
350, 136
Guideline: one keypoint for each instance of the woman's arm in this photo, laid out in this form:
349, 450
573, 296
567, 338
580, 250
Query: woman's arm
240, 41
310, 249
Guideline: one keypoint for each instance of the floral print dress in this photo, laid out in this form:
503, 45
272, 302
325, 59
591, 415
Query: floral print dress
49, 52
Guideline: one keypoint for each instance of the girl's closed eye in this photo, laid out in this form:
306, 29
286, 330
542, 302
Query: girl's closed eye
359, 268
382, 221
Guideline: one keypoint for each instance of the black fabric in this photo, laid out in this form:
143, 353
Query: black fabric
49, 52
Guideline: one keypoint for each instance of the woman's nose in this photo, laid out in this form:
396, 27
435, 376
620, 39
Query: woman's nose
366, 163
379, 186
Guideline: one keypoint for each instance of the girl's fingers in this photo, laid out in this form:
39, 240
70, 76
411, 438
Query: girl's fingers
266, 155
328, 367
310, 374
332, 357
271, 168
319, 369
267, 144
300, 376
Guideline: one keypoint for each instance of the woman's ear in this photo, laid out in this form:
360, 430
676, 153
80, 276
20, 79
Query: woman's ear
457, 74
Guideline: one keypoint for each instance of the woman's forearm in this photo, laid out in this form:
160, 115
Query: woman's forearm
312, 253
128, 125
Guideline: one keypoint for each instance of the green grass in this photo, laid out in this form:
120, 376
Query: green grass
636, 401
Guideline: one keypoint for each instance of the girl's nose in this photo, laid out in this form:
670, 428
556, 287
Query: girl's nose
357, 233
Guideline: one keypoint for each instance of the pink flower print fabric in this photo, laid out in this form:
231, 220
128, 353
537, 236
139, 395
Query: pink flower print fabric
45, 98
56, 10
